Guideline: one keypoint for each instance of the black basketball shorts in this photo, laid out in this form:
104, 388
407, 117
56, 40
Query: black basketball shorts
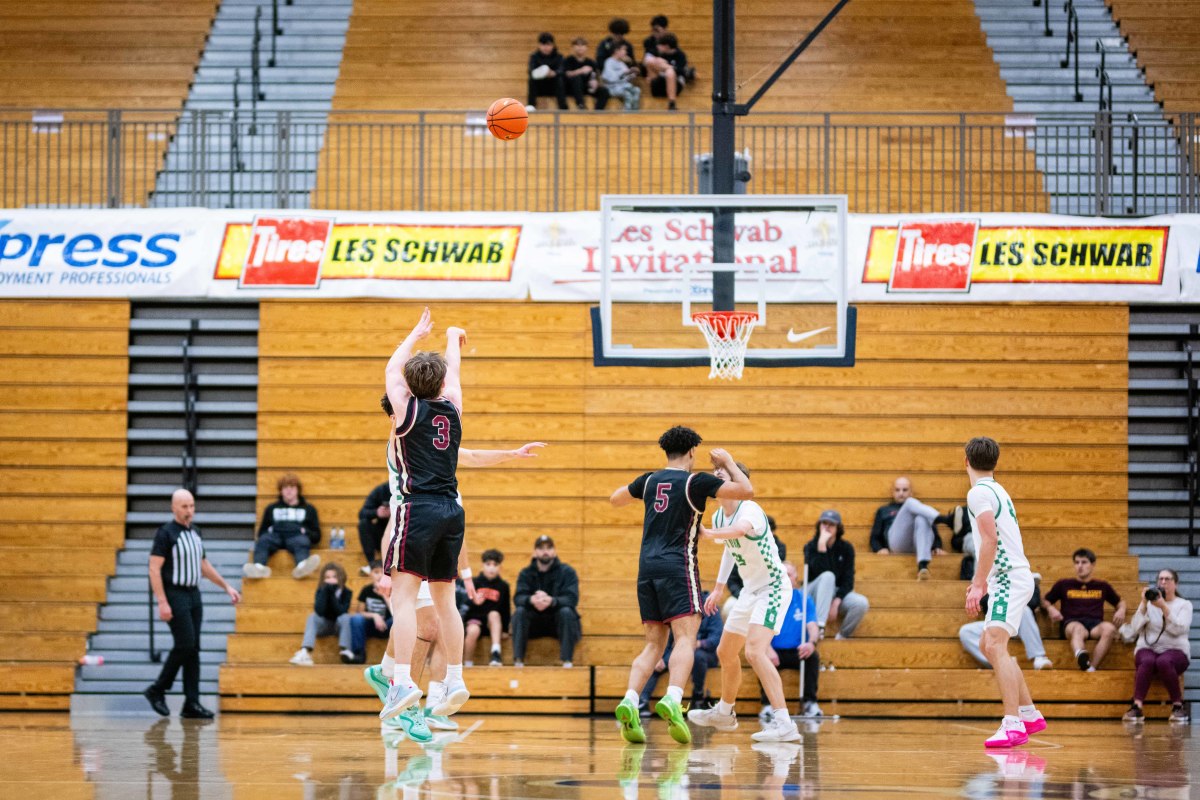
429, 535
662, 598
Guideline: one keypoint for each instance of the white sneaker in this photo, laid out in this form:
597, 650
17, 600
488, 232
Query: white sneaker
1041, 662
781, 728
347, 656
567, 665
712, 718
302, 658
252, 570
530, 109
518, 664
811, 709
307, 567
365, 570
399, 697
764, 714
455, 697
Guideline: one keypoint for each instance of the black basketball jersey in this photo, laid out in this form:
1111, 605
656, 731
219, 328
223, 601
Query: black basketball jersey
423, 454
674, 500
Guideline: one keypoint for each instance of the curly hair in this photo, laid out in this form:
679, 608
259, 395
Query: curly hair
678, 441
493, 555
425, 373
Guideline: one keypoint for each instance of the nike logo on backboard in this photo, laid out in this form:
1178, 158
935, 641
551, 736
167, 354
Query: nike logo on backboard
794, 337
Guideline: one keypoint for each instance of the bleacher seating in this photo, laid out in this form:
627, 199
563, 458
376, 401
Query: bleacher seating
881, 60
1164, 36
831, 438
80, 56
63, 384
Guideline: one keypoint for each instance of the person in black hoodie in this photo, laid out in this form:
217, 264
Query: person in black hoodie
830, 561
546, 73
289, 523
490, 608
372, 522
547, 594
330, 615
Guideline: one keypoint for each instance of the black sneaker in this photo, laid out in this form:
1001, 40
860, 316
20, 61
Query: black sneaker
1179, 713
495, 660
1084, 660
195, 711
1134, 714
158, 701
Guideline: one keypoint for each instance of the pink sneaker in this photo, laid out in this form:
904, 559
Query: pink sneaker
1007, 737
1033, 726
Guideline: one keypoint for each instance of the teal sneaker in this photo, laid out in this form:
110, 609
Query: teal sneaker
416, 772
376, 680
439, 722
677, 726
412, 721
631, 723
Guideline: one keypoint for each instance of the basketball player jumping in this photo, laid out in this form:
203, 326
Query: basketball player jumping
425, 392
1002, 572
756, 617
668, 583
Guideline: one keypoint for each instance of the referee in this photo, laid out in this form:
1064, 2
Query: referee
176, 563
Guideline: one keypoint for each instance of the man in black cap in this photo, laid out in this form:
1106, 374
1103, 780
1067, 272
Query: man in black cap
830, 561
547, 594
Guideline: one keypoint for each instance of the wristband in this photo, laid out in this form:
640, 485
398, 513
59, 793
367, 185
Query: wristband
465, 573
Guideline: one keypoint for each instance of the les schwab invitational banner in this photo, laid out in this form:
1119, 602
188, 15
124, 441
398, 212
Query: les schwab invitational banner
493, 255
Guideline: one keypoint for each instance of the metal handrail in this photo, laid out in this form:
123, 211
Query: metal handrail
1105, 80
1193, 445
276, 31
1072, 40
256, 93
1135, 135
189, 477
1045, 4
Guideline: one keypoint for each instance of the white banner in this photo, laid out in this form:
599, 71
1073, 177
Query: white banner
106, 253
556, 256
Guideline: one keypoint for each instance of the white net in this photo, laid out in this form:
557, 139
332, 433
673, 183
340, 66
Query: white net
727, 334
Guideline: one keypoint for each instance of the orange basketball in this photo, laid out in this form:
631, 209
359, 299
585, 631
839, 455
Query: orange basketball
507, 118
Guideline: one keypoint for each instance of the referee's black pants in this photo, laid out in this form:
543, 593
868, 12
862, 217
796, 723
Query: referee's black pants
187, 612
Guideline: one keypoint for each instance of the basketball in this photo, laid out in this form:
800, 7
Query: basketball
507, 118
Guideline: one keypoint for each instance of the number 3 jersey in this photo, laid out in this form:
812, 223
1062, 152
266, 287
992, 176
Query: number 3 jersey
423, 449
674, 500
755, 554
987, 495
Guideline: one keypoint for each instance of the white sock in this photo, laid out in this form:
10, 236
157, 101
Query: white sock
454, 673
1013, 722
675, 693
435, 691
1077, 652
403, 675
1027, 712
388, 665
632, 697
724, 708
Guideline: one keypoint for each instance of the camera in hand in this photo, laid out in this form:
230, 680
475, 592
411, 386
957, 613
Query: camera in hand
1152, 595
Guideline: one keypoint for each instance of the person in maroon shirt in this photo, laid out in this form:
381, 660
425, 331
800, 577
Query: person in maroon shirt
1080, 615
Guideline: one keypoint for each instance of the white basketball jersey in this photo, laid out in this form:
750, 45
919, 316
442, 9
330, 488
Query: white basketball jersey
755, 554
987, 495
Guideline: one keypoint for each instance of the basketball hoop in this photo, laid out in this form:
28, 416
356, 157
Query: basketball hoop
727, 334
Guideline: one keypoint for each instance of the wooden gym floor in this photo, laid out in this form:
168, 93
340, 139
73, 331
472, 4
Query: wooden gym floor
345, 757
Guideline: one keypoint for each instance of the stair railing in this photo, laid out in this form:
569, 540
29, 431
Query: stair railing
235, 147
1072, 42
188, 479
1106, 85
1134, 138
1045, 4
1193, 440
256, 93
276, 31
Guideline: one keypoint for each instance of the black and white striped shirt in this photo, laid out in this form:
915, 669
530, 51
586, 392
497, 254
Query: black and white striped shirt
182, 551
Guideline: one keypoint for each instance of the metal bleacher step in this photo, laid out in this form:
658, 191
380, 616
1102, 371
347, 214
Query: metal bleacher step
202, 518
176, 352
174, 435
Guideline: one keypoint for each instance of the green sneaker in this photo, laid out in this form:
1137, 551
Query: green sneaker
412, 720
631, 765
677, 726
439, 722
416, 772
375, 679
631, 723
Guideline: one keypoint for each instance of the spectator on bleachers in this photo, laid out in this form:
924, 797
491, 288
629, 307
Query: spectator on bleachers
1031, 637
330, 616
290, 523
372, 522
1161, 623
490, 609
546, 73
906, 525
545, 603
796, 646
708, 636
617, 29
373, 616
583, 76
618, 74
666, 65
734, 585
830, 560
1080, 615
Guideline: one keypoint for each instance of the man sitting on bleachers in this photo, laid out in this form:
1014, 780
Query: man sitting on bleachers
545, 73
906, 525
372, 522
545, 603
1080, 615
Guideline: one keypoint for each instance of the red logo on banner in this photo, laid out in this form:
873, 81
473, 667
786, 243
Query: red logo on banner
934, 256
286, 252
